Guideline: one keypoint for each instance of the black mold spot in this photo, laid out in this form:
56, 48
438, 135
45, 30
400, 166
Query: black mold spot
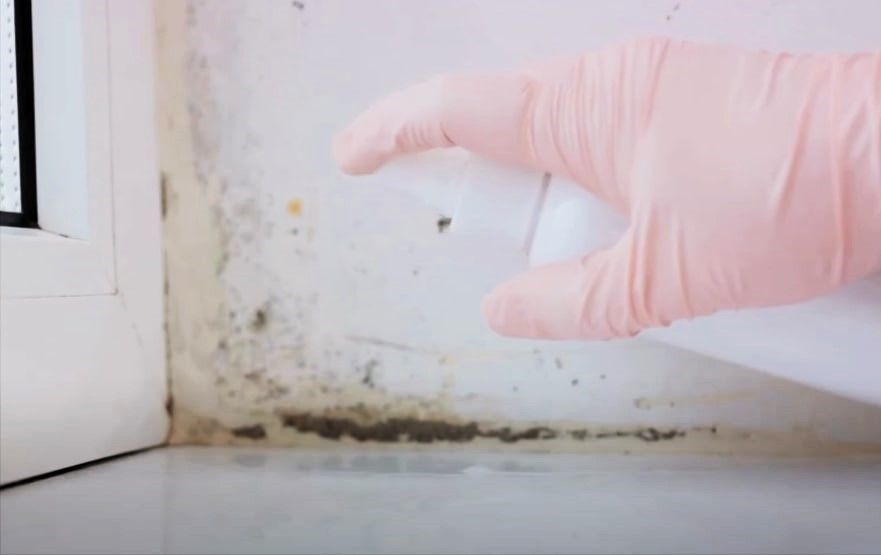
558, 363
412, 430
443, 223
652, 434
260, 319
392, 430
602, 376
505, 435
574, 382
169, 405
368, 373
649, 435
299, 5
607, 435
163, 193
257, 431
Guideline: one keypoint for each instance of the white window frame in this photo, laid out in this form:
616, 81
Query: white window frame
82, 357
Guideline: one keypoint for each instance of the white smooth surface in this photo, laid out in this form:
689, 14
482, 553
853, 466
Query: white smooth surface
832, 343
500, 202
71, 128
573, 223
218, 500
82, 372
72, 253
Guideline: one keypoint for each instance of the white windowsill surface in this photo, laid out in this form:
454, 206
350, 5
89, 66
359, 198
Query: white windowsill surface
29, 234
229, 500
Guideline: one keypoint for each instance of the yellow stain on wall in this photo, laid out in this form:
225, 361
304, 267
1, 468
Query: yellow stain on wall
295, 207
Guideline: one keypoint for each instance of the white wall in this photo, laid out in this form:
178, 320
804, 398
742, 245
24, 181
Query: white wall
293, 289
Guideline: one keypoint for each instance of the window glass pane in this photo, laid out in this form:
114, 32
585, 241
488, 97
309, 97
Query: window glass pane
10, 175
18, 168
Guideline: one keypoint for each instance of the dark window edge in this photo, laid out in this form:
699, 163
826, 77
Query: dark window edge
24, 70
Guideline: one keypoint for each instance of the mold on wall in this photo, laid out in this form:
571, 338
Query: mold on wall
305, 308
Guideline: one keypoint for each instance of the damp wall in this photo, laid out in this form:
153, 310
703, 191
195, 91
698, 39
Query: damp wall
304, 307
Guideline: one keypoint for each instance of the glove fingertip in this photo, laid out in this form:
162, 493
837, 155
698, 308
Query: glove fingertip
349, 158
504, 312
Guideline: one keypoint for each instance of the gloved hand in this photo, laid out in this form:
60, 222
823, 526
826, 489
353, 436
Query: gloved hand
749, 179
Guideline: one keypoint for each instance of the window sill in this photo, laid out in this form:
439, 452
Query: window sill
37, 263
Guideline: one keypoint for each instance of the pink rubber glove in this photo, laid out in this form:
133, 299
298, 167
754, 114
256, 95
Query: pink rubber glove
750, 179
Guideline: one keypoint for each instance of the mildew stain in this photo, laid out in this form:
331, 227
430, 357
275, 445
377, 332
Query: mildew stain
675, 9
416, 430
260, 318
368, 373
255, 431
200, 184
443, 223
701, 400
163, 193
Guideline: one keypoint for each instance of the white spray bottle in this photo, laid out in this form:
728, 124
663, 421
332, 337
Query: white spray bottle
832, 343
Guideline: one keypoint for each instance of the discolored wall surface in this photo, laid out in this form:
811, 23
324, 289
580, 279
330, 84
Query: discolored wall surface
304, 306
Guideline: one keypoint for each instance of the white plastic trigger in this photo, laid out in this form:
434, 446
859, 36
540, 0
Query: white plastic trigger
499, 201
572, 222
